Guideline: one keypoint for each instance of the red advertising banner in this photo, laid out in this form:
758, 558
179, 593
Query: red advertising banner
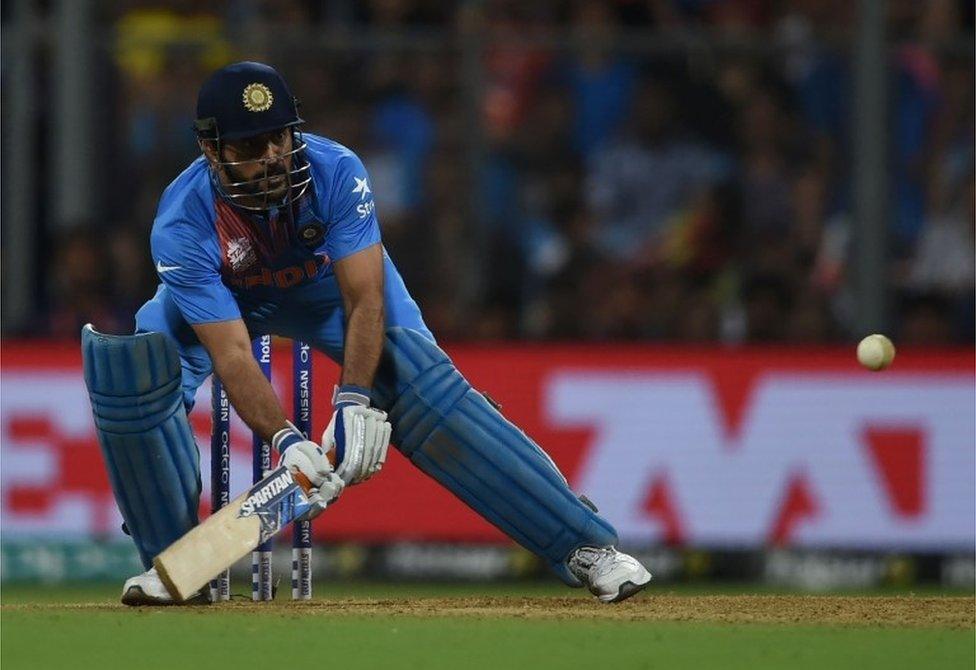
687, 446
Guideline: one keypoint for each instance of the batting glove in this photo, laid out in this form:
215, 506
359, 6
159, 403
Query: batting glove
308, 458
359, 434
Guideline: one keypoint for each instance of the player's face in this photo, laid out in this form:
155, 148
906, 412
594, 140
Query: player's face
261, 164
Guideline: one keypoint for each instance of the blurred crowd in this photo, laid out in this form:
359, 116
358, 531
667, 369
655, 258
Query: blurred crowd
573, 169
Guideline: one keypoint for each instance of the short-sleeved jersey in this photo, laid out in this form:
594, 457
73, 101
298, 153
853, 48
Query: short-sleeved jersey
275, 272
212, 257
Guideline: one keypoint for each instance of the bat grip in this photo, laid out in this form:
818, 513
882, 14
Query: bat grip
315, 500
302, 480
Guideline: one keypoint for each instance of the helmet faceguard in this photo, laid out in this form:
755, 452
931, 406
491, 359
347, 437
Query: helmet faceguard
246, 100
249, 194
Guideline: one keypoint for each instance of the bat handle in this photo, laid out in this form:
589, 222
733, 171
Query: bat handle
302, 480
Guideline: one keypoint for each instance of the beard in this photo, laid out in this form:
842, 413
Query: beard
273, 187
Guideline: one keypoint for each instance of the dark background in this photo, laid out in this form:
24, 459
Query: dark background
666, 170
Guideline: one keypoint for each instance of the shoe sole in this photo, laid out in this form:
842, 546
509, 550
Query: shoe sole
136, 597
626, 590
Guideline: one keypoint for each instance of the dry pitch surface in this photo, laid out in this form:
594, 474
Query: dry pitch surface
868, 611
938, 612
427, 628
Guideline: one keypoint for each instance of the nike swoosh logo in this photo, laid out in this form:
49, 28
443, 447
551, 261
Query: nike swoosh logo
160, 268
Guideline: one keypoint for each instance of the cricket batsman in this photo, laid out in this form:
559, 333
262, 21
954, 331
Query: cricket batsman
273, 230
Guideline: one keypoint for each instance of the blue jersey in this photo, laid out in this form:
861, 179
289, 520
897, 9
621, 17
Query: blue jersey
219, 263
209, 253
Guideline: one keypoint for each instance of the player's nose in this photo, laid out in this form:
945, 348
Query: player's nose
272, 153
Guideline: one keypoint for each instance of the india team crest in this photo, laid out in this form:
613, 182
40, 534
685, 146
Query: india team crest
257, 97
240, 254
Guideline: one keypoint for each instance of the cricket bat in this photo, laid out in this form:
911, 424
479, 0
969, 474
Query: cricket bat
231, 533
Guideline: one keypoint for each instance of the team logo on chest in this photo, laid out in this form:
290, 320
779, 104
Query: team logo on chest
240, 254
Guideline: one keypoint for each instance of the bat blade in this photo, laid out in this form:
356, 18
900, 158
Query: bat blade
230, 534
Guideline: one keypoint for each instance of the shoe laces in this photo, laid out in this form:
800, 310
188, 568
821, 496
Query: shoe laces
585, 559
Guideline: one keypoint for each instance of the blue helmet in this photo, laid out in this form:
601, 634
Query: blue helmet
243, 100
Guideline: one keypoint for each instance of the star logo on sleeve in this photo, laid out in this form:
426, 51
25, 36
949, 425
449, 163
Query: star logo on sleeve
362, 188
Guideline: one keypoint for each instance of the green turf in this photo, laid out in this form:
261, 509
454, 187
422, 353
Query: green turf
173, 639
35, 633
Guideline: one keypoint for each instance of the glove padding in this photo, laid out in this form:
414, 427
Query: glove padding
308, 458
360, 436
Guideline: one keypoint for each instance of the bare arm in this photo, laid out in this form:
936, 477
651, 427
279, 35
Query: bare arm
248, 389
360, 279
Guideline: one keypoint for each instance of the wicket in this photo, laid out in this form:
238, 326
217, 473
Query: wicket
262, 584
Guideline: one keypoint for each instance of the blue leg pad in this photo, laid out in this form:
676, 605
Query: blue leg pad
134, 383
452, 433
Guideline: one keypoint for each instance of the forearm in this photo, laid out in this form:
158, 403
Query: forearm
364, 344
251, 394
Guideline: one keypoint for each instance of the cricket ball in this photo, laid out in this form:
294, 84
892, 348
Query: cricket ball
875, 352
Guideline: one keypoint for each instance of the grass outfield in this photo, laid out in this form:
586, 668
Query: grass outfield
508, 627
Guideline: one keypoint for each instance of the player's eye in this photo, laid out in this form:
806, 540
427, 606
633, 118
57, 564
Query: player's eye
247, 147
254, 147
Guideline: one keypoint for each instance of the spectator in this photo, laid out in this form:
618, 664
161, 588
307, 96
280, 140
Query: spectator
640, 183
601, 82
79, 287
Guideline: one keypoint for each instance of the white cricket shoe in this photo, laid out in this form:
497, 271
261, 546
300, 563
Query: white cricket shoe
609, 574
147, 589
